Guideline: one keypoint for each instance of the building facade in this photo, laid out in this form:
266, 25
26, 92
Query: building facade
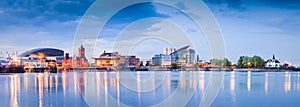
130, 61
272, 63
168, 51
166, 61
108, 60
191, 56
180, 56
156, 60
79, 61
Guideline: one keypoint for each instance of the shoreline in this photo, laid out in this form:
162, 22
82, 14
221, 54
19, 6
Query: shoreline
213, 69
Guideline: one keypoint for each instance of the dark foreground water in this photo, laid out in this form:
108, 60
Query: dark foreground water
79, 89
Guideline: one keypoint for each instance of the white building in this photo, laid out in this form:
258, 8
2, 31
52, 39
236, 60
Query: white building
168, 51
272, 63
166, 60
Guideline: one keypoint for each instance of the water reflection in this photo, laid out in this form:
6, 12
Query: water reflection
14, 87
260, 89
249, 81
298, 81
266, 83
40, 89
117, 94
232, 85
287, 82
105, 88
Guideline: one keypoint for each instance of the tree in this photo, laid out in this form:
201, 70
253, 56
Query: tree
174, 65
240, 62
220, 62
147, 64
141, 64
258, 62
226, 62
248, 62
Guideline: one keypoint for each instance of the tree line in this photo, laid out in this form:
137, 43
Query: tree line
251, 62
243, 62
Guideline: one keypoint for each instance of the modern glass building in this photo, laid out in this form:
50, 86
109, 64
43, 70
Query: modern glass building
180, 56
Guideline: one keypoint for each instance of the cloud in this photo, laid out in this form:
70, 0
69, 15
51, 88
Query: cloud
39, 12
43, 23
25, 37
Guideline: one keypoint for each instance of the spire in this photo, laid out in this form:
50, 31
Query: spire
81, 46
273, 56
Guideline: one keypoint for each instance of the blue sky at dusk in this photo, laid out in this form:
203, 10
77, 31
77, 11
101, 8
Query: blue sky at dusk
250, 27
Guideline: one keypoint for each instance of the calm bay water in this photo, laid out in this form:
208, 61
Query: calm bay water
147, 89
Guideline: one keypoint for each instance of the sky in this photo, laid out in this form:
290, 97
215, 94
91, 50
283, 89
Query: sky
249, 27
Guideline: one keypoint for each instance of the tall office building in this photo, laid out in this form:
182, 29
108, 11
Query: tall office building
168, 51
191, 56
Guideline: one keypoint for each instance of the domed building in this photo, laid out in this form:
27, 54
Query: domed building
49, 52
41, 58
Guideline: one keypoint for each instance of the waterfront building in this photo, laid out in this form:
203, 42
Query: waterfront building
156, 60
191, 56
67, 62
40, 52
180, 56
3, 62
80, 61
198, 59
184, 57
166, 61
162, 60
39, 58
272, 63
168, 51
108, 60
130, 60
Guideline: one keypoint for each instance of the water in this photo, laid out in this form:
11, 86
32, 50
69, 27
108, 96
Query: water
79, 89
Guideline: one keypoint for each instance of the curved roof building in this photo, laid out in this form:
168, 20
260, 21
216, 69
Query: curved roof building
47, 51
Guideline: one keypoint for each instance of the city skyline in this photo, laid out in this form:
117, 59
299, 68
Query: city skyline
247, 30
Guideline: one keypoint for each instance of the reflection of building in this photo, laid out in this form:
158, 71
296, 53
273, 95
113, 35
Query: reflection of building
272, 63
108, 60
